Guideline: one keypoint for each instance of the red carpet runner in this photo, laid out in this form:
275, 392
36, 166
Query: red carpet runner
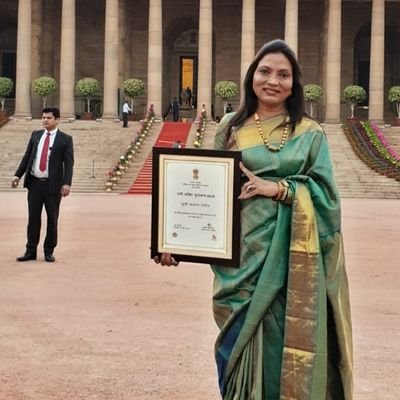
170, 132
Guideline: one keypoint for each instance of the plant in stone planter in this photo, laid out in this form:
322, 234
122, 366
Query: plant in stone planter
394, 97
6, 86
133, 88
354, 95
313, 94
226, 90
87, 88
44, 86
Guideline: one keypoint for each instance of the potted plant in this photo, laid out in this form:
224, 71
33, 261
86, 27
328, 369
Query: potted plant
6, 86
88, 88
133, 88
226, 90
313, 94
354, 95
44, 86
394, 97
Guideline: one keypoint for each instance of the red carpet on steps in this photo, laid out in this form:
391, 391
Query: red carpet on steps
170, 132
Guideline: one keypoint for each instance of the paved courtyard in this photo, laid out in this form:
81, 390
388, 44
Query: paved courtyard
105, 322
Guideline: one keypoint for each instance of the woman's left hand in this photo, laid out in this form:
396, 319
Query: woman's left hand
256, 186
166, 259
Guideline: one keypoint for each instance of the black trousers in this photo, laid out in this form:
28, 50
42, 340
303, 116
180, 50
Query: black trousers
39, 195
125, 119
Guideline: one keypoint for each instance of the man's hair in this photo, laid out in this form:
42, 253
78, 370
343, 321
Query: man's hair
54, 110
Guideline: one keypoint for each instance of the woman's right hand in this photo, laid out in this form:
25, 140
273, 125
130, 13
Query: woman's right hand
166, 259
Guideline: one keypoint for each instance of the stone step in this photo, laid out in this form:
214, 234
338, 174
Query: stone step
98, 146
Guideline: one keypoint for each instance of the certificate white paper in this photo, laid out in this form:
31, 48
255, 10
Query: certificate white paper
195, 213
195, 196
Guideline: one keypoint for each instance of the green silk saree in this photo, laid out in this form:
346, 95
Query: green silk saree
284, 315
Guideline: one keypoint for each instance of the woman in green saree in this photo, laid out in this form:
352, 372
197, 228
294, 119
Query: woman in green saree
284, 315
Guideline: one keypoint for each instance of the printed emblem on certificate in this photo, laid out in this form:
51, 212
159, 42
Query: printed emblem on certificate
195, 206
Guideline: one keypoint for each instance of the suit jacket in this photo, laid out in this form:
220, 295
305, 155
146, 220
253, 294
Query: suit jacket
61, 160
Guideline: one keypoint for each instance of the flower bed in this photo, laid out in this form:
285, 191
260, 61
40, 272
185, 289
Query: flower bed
201, 130
373, 154
126, 159
379, 141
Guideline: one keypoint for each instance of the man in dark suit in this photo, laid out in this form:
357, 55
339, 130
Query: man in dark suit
47, 164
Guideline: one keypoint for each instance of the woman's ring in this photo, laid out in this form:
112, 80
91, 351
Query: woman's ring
250, 188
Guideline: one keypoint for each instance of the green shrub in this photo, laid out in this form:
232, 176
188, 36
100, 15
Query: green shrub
313, 94
133, 88
6, 87
394, 97
44, 86
354, 95
88, 88
226, 90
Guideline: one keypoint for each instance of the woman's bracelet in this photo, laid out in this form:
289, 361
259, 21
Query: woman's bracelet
283, 191
280, 191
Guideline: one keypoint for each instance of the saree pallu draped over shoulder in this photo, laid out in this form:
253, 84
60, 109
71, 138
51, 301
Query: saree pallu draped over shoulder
284, 315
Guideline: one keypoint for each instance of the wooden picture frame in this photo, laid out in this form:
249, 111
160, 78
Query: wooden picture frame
195, 206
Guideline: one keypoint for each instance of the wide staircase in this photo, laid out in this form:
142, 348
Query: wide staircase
98, 146
354, 178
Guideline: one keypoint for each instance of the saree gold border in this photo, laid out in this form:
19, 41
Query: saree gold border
305, 336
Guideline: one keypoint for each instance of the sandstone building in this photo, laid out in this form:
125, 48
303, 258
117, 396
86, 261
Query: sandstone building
172, 44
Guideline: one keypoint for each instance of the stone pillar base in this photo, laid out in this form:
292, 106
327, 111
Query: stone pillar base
378, 121
27, 116
110, 116
332, 121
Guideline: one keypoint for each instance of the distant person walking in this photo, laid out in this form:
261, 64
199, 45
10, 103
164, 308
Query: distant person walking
126, 110
174, 108
176, 145
229, 108
47, 164
188, 96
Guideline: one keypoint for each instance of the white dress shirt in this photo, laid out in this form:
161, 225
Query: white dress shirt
126, 109
35, 171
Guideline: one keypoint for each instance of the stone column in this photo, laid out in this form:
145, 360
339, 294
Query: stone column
291, 24
123, 48
248, 32
205, 56
67, 60
111, 70
47, 39
377, 63
333, 61
154, 67
36, 71
23, 73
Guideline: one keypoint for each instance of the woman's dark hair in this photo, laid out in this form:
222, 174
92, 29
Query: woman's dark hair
294, 103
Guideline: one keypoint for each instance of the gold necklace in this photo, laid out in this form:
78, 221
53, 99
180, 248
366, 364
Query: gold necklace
269, 146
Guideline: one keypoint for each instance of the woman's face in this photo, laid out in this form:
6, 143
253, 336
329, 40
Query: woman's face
273, 81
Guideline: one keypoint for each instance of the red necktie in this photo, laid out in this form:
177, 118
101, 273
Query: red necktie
45, 150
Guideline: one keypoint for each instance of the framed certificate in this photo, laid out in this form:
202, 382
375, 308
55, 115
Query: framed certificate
195, 206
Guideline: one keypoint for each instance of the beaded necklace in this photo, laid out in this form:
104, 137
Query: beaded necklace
269, 146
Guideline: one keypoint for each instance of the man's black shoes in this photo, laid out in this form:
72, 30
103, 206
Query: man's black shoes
32, 256
27, 257
49, 258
